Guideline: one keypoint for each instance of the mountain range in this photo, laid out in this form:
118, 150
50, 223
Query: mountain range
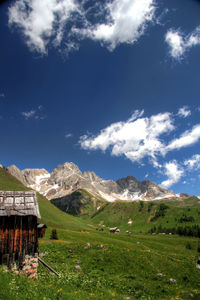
67, 178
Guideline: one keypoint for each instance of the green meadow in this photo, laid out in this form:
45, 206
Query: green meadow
95, 264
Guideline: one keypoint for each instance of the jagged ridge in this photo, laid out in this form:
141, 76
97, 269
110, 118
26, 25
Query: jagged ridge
67, 178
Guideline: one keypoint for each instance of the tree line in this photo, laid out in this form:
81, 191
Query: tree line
193, 230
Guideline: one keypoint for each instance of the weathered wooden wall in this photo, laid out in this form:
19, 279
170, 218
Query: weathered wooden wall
18, 237
41, 232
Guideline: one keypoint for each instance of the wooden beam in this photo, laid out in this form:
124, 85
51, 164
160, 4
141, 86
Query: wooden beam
48, 267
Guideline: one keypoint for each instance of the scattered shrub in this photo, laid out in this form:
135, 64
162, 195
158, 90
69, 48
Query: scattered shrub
188, 246
160, 212
141, 205
185, 218
150, 205
54, 235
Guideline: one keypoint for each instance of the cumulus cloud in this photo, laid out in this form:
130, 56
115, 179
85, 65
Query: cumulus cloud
188, 138
129, 19
135, 138
174, 172
40, 20
184, 112
193, 162
146, 137
53, 21
179, 43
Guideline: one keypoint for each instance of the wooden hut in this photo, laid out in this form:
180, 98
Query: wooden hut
41, 230
19, 212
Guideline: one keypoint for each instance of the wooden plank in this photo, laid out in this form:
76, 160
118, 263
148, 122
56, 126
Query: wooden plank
48, 267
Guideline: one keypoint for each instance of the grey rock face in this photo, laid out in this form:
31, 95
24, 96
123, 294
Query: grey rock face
144, 190
34, 176
14, 171
67, 178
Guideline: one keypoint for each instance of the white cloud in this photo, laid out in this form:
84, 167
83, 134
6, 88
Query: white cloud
129, 19
2, 95
184, 112
174, 172
44, 22
136, 138
28, 114
40, 20
193, 162
188, 138
34, 114
143, 137
68, 135
179, 43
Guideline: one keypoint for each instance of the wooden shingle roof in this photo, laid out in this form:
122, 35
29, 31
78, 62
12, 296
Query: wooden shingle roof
23, 203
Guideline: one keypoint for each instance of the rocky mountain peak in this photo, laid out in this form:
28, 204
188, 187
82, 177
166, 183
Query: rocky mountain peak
69, 166
34, 176
129, 182
14, 171
91, 176
66, 169
67, 178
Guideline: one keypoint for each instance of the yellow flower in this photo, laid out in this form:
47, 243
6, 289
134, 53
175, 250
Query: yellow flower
196, 291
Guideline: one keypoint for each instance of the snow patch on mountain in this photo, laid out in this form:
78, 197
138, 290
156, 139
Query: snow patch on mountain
67, 178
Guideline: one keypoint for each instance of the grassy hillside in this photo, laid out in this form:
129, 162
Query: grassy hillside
79, 203
10, 183
51, 215
145, 215
115, 266
108, 266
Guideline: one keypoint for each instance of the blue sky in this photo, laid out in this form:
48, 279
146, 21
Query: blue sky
112, 86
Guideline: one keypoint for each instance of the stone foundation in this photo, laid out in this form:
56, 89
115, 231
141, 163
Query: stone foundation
28, 267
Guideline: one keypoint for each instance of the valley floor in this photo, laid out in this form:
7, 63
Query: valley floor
102, 265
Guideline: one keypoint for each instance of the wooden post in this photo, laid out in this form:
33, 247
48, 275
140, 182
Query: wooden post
48, 267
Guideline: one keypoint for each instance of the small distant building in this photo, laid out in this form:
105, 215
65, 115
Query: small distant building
130, 222
19, 213
41, 230
114, 230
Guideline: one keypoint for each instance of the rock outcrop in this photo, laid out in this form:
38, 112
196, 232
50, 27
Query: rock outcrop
14, 171
67, 178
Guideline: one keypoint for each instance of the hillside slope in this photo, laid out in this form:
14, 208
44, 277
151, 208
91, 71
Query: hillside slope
80, 203
100, 265
145, 215
51, 215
